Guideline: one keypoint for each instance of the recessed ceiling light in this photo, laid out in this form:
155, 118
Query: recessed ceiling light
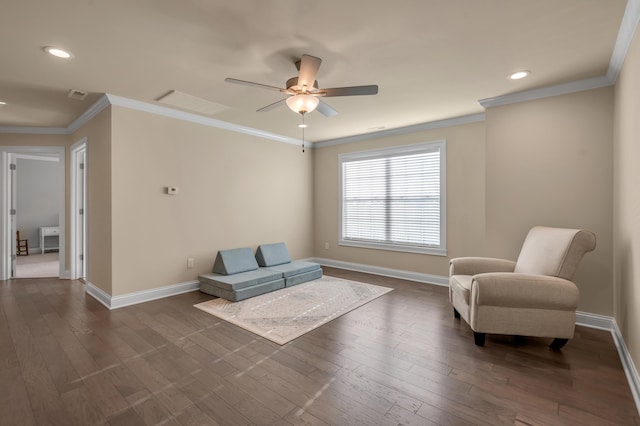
58, 52
520, 74
2, 103
302, 126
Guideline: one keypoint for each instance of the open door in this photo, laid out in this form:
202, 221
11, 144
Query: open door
78, 252
12, 212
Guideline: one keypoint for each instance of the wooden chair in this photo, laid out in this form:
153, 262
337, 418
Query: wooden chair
22, 246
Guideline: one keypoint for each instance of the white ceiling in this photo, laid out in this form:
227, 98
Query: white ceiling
432, 59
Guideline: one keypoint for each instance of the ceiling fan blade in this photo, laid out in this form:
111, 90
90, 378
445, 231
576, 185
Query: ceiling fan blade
352, 91
309, 66
250, 83
273, 105
326, 110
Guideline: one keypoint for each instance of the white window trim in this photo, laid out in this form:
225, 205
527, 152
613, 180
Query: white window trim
384, 152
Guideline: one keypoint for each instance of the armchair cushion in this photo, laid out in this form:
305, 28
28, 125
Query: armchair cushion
524, 291
554, 251
479, 265
461, 285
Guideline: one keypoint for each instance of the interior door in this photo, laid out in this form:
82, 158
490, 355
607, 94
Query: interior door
79, 212
82, 225
12, 212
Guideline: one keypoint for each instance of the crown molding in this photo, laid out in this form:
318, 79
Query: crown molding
627, 30
108, 99
545, 92
198, 119
86, 116
456, 121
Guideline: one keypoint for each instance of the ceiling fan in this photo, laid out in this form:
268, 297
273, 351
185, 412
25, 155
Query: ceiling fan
304, 92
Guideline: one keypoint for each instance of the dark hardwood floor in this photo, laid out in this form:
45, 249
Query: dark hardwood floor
401, 359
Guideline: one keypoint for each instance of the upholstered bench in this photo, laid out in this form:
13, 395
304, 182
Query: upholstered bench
236, 276
276, 257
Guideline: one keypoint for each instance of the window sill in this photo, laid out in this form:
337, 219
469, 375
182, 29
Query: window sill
395, 247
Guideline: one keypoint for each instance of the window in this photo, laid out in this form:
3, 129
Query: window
394, 199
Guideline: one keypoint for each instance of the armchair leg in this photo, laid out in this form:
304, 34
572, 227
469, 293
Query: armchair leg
456, 314
479, 338
557, 344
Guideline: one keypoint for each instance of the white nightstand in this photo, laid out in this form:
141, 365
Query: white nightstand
49, 231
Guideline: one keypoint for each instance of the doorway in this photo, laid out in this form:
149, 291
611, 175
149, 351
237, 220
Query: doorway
37, 196
45, 232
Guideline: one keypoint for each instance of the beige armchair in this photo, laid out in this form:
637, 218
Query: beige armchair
531, 297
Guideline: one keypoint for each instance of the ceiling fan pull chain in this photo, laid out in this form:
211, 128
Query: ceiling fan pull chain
303, 126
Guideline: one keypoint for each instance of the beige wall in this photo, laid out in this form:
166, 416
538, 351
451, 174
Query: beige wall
465, 200
99, 226
549, 162
18, 139
235, 190
543, 162
627, 201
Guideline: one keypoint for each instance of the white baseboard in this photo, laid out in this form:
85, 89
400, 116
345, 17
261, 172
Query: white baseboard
114, 302
385, 272
627, 363
98, 294
600, 322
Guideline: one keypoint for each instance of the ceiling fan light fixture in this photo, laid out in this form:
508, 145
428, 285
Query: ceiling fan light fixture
302, 103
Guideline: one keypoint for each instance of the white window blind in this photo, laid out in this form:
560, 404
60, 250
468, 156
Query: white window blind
394, 198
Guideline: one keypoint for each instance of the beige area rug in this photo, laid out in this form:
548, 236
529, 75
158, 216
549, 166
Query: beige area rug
38, 265
285, 314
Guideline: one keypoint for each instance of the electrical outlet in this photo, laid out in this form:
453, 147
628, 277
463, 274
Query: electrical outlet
326, 246
190, 263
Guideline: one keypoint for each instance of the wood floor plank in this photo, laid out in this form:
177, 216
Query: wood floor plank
401, 359
406, 417
303, 418
193, 415
43, 396
255, 390
221, 411
15, 407
362, 384
109, 400
152, 412
82, 410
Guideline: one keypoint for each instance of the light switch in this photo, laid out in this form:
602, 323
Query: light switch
172, 190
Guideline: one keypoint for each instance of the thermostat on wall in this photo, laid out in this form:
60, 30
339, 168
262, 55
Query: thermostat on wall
172, 190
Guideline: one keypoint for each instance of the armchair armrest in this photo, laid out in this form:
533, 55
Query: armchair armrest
479, 265
524, 291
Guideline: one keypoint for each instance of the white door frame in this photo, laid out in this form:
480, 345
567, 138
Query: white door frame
7, 240
77, 220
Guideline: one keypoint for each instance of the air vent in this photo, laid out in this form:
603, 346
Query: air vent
77, 94
191, 103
